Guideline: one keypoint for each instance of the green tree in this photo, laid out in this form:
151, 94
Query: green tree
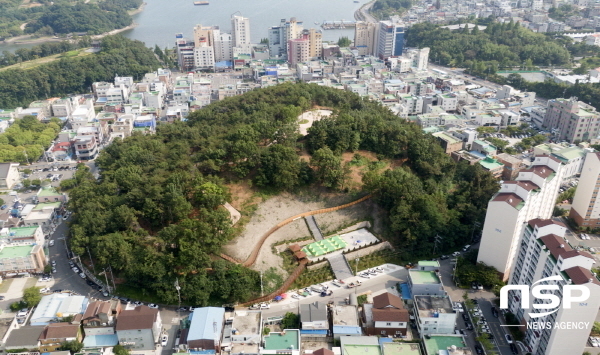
73, 346
31, 296
290, 321
279, 167
328, 168
120, 350
344, 42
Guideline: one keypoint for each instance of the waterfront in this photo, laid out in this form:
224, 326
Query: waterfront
162, 19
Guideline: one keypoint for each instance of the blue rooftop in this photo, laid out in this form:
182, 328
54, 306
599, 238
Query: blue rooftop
346, 329
406, 295
92, 341
207, 323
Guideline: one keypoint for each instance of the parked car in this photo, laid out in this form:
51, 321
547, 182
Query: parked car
479, 286
494, 312
164, 340
3, 207
265, 306
138, 303
466, 247
51, 243
474, 285
22, 313
508, 338
45, 290
82, 275
456, 253
513, 348
152, 305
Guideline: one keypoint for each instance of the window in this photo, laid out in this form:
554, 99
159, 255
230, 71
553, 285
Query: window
388, 324
383, 332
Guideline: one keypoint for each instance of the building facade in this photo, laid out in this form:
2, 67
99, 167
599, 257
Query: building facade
585, 209
543, 253
572, 120
390, 39
365, 34
531, 195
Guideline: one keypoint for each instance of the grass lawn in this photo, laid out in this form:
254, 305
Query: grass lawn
136, 294
311, 277
37, 62
31, 281
5, 285
376, 259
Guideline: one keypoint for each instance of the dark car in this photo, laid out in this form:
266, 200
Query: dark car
469, 326
465, 317
444, 257
513, 349
475, 301
478, 349
495, 312
474, 285
3, 207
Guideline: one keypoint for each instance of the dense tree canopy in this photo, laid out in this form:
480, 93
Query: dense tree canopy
382, 9
61, 17
500, 45
155, 214
119, 55
26, 139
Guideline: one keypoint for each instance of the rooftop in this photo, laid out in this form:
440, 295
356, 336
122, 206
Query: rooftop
207, 323
435, 343
446, 137
423, 277
288, 339
16, 251
392, 348
48, 191
344, 315
360, 345
512, 199
429, 263
439, 304
23, 231
246, 322
141, 317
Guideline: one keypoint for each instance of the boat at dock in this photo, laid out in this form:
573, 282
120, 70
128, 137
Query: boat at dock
200, 3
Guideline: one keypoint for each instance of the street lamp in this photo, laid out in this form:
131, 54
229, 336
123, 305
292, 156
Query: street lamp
178, 288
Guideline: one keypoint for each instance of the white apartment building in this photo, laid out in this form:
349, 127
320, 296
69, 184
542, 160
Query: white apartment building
418, 57
240, 31
531, 195
585, 209
222, 46
544, 252
204, 57
574, 120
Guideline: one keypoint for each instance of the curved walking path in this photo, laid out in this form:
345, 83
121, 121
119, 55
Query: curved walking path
254, 254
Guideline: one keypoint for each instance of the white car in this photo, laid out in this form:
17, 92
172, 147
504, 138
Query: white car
508, 338
456, 253
265, 306
164, 340
296, 296
82, 275
51, 243
45, 290
152, 305
22, 313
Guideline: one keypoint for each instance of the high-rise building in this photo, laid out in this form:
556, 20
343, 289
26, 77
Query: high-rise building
572, 120
585, 209
390, 39
280, 35
315, 43
222, 45
365, 35
298, 50
240, 31
543, 252
532, 195
204, 53
185, 53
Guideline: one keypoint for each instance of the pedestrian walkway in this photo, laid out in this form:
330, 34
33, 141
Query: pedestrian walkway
340, 267
314, 228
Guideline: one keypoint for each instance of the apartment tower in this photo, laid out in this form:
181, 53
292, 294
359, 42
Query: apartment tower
365, 34
532, 195
585, 209
543, 252
240, 31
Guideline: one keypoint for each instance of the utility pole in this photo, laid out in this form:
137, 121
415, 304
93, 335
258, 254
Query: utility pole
91, 261
108, 288
178, 288
356, 266
437, 239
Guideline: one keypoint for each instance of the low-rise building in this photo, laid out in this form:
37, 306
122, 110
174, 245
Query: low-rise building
425, 283
55, 334
24, 338
98, 323
242, 334
449, 143
86, 147
205, 329
386, 316
139, 328
494, 166
22, 235
49, 194
345, 321
9, 175
446, 344
434, 315
19, 259
58, 305
285, 342
314, 320
512, 166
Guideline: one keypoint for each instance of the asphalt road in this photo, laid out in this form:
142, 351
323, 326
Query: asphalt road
387, 281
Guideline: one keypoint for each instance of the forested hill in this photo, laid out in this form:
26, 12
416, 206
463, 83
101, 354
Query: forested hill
119, 55
154, 216
65, 16
500, 45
